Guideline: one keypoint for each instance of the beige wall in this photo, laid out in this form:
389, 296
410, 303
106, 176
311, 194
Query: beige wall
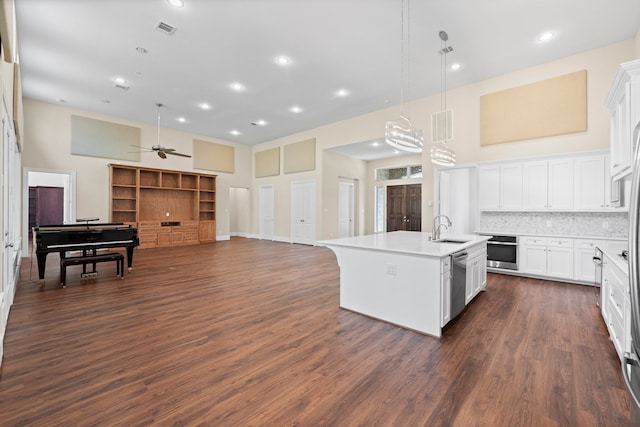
337, 167
47, 146
601, 65
47, 134
637, 42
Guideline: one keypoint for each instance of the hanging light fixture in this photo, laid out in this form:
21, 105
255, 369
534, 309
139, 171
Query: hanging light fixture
400, 133
441, 154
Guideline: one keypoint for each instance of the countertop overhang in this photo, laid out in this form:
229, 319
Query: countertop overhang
408, 242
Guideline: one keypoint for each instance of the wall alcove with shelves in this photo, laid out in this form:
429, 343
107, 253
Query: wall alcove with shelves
168, 207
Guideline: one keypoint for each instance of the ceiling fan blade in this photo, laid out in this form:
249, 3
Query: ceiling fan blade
175, 153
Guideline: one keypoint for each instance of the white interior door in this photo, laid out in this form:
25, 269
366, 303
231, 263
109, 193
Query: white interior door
345, 209
303, 212
267, 218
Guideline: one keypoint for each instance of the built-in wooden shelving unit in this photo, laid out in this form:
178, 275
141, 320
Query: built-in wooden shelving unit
168, 207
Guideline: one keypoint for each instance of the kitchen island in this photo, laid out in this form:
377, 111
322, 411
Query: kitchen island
404, 277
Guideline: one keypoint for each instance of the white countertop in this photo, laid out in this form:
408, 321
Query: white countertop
613, 250
409, 242
565, 236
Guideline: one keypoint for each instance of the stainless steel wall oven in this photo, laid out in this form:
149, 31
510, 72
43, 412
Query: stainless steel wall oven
502, 252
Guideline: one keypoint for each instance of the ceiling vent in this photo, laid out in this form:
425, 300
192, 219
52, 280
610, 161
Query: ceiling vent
442, 125
123, 87
163, 27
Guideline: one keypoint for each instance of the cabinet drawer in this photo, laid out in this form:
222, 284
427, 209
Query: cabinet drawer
585, 244
616, 299
560, 243
476, 251
616, 330
533, 241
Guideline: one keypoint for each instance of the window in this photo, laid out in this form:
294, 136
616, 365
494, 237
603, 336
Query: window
380, 199
401, 172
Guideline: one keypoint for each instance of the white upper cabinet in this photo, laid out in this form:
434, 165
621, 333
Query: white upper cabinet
623, 102
590, 183
548, 185
500, 187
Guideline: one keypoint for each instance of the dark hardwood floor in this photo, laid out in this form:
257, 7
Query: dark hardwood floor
249, 333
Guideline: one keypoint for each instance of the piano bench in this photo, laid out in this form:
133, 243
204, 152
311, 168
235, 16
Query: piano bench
91, 259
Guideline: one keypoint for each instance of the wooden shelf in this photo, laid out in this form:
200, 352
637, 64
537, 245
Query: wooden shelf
169, 207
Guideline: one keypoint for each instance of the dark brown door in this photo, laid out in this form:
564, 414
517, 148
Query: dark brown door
46, 205
404, 207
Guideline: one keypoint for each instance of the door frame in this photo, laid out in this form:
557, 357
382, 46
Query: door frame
350, 185
312, 212
69, 196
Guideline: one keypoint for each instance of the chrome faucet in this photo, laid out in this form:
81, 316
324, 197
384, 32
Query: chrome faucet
435, 233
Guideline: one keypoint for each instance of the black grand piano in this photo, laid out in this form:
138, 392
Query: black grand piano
83, 237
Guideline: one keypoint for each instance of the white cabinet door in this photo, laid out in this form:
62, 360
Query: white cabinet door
584, 267
560, 190
560, 262
535, 178
511, 186
489, 191
534, 259
500, 187
589, 179
445, 283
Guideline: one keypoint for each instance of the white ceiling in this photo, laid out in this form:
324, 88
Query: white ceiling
72, 50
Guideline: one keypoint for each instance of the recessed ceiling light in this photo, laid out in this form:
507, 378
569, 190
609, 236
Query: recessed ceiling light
235, 132
455, 67
119, 80
238, 87
205, 106
181, 119
375, 144
105, 101
342, 93
283, 60
61, 100
295, 109
140, 49
545, 37
259, 123
176, 3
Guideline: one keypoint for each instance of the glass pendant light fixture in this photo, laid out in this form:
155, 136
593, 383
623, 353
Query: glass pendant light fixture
440, 152
400, 133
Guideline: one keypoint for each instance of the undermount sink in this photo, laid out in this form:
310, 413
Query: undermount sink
445, 240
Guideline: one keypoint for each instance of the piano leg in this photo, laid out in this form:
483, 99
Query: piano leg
42, 262
129, 257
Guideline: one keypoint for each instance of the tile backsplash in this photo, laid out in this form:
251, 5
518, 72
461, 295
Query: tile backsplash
577, 224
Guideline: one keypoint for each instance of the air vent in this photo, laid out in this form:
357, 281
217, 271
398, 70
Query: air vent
442, 126
123, 87
165, 28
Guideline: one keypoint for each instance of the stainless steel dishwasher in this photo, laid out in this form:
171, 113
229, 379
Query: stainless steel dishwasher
458, 282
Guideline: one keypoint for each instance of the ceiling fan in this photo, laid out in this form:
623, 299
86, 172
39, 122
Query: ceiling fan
159, 149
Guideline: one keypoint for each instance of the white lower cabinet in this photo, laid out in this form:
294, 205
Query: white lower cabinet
615, 305
445, 288
476, 280
547, 256
584, 267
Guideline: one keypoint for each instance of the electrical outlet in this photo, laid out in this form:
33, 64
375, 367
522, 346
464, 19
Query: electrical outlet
392, 269
167, 214
548, 223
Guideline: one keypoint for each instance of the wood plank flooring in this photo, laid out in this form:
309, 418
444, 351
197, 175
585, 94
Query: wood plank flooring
249, 333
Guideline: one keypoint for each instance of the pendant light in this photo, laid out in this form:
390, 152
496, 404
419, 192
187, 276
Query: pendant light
400, 133
440, 152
